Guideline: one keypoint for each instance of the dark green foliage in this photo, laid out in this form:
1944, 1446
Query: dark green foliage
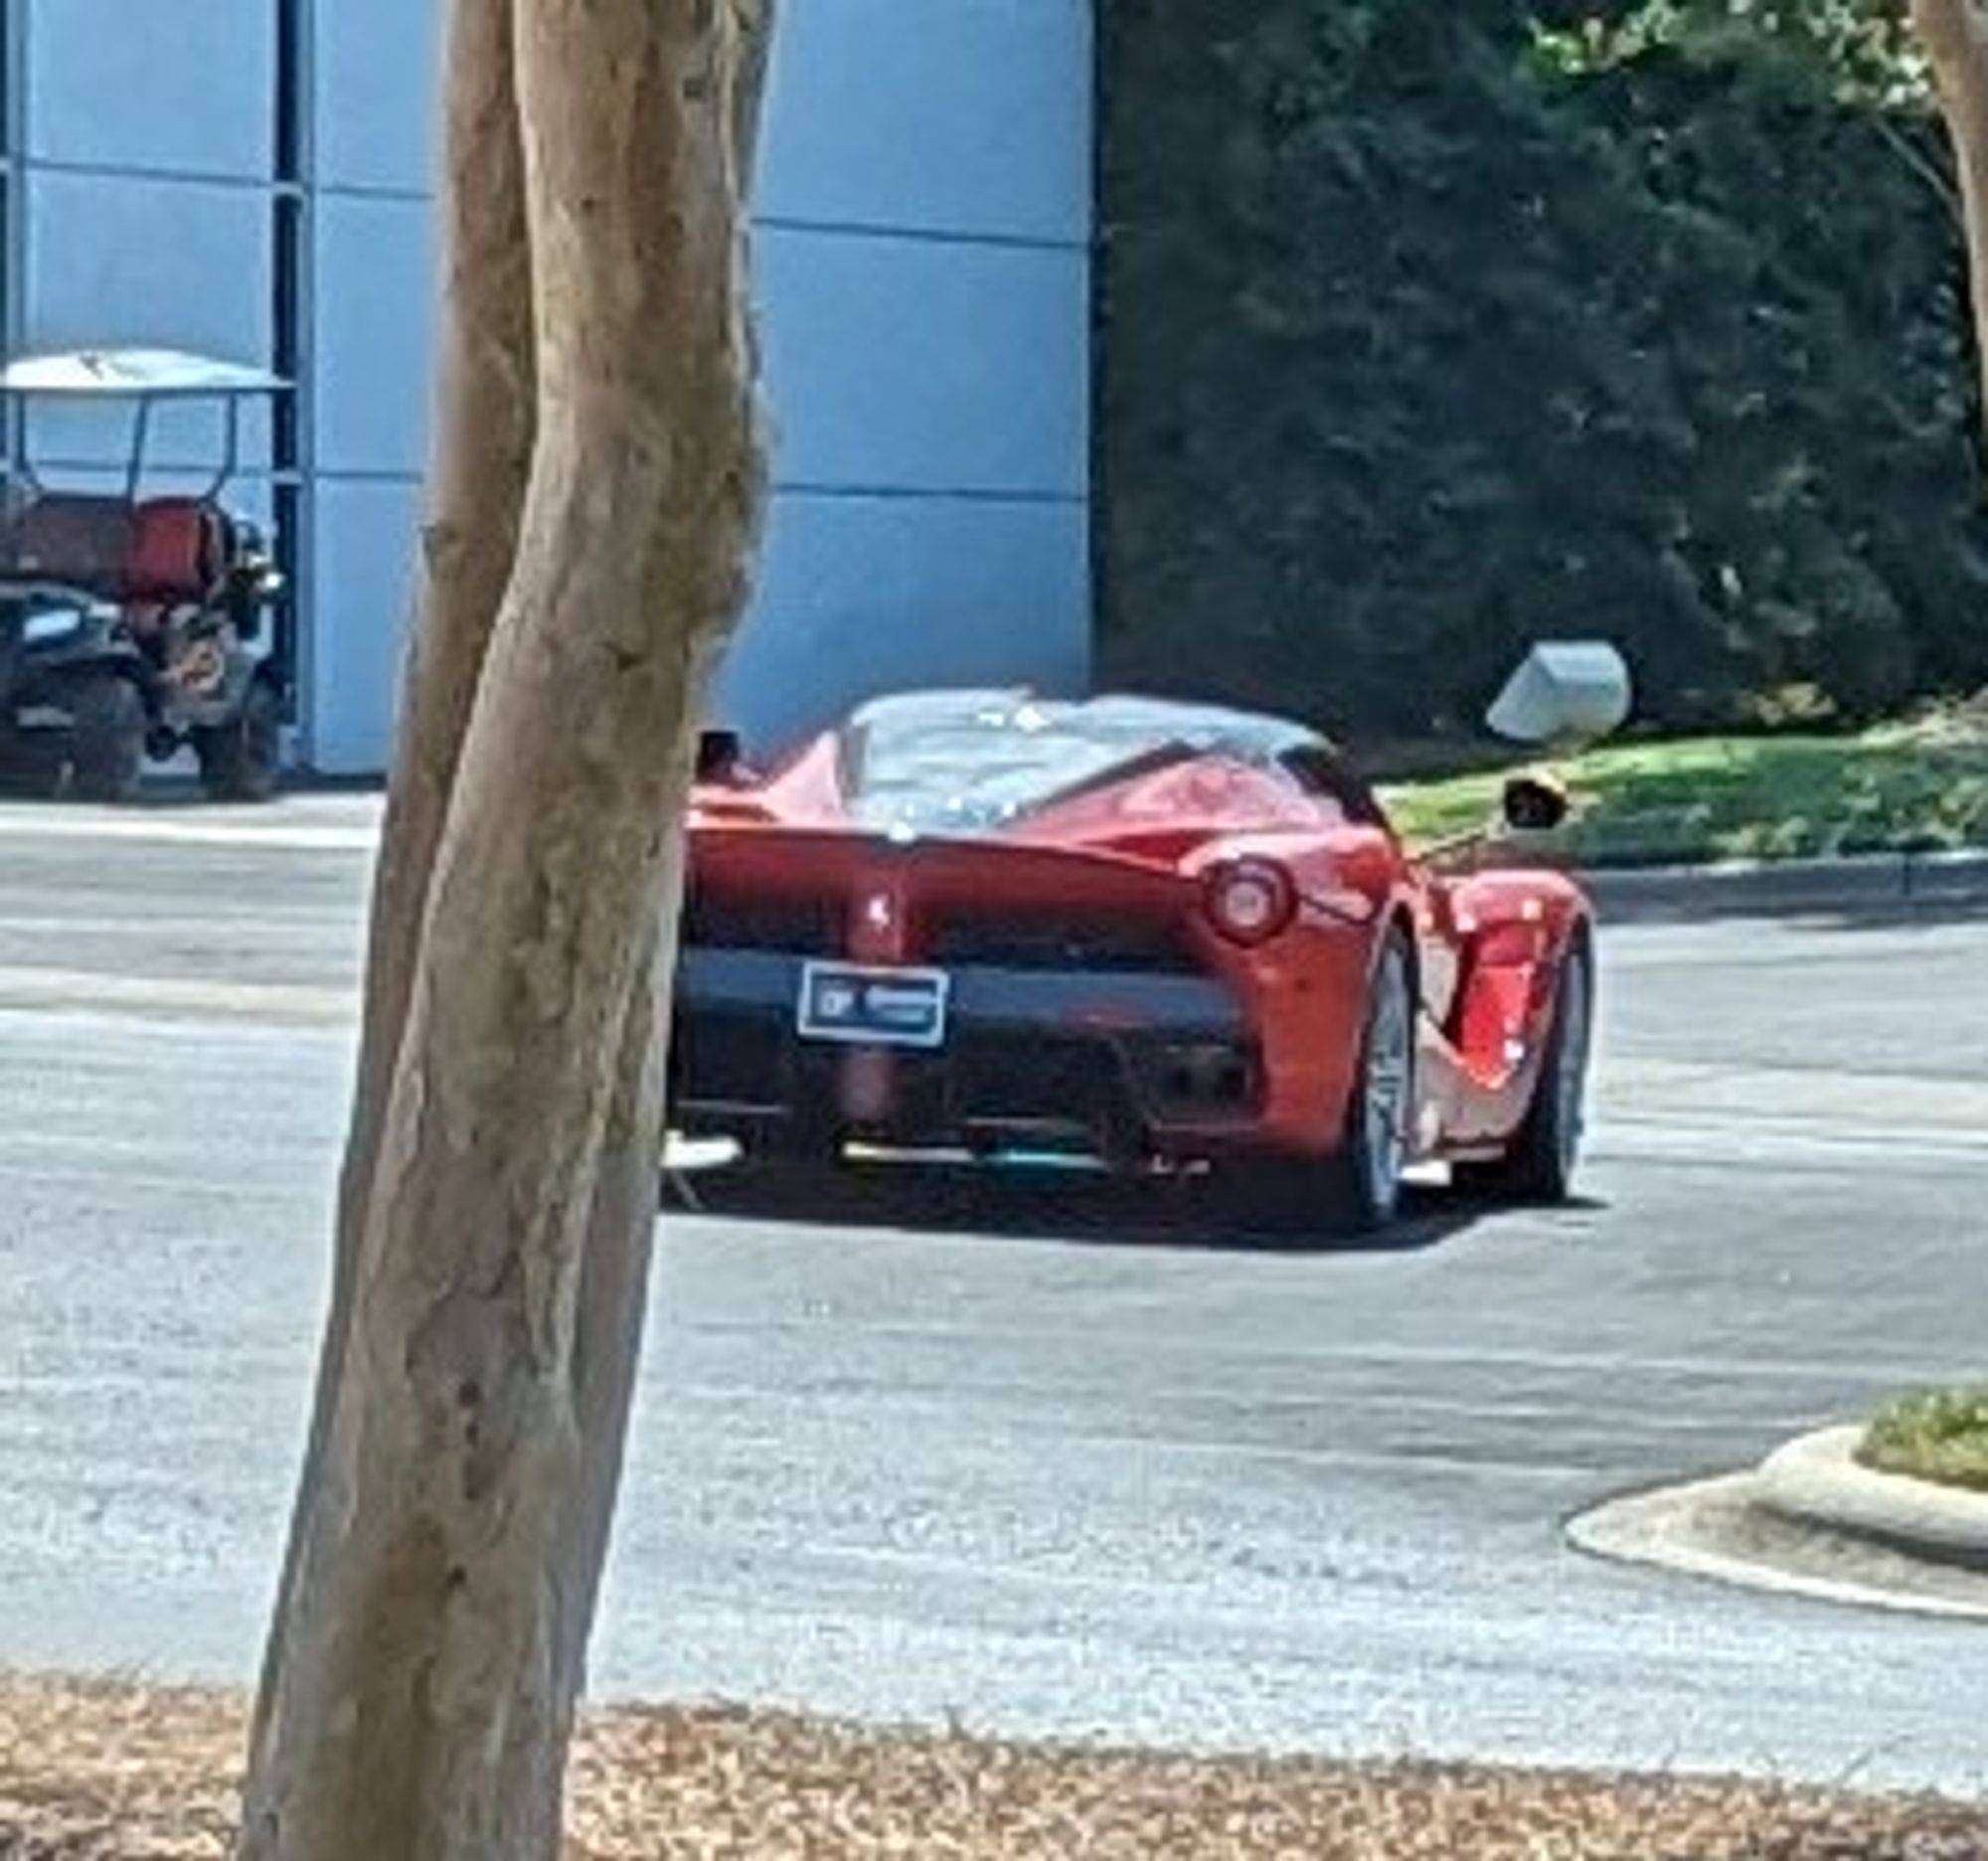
1430, 329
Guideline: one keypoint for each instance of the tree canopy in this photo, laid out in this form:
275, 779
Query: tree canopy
1429, 330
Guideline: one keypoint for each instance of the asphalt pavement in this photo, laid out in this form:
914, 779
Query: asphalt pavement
1053, 1462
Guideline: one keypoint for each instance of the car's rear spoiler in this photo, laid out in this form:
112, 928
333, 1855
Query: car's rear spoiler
735, 845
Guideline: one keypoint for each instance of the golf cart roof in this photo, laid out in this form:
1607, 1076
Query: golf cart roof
142, 373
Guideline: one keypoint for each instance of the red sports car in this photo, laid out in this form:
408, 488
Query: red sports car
1155, 934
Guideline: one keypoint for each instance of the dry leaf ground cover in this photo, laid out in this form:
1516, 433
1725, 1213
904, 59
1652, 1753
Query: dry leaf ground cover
103, 1771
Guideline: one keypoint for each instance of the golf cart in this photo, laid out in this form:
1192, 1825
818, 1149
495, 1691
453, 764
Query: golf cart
130, 621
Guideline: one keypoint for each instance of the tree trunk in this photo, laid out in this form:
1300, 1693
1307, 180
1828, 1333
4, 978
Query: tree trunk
622, 1234
480, 455
420, 1688
1955, 36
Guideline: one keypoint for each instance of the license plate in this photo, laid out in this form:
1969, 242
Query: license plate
865, 1007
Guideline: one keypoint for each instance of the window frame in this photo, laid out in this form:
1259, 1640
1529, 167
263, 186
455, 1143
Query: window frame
290, 335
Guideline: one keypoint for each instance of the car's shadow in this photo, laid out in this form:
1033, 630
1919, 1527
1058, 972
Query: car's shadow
1060, 1207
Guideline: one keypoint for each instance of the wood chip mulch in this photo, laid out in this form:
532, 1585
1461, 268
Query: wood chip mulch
107, 1772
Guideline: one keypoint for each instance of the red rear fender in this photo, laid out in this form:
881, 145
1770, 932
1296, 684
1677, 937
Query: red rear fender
1512, 932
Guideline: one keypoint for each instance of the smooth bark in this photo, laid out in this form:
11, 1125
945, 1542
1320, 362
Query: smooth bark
420, 1684
620, 1240
480, 454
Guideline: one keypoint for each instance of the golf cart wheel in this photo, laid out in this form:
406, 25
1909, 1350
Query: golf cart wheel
108, 728
240, 760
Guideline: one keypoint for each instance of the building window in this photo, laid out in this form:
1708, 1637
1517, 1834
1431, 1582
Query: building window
289, 309
289, 324
291, 102
13, 147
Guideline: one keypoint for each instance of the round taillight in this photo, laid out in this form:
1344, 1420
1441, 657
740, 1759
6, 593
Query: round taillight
1251, 900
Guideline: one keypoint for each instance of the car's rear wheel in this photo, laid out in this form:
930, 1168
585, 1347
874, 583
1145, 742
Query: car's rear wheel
1357, 1190
1541, 1163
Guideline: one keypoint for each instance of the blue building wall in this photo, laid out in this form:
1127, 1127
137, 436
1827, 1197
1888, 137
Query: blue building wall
924, 225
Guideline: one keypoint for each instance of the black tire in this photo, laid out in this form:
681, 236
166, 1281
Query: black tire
108, 728
242, 759
1357, 1190
1540, 1165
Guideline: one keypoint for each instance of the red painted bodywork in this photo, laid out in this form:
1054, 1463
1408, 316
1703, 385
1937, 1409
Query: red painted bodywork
1488, 945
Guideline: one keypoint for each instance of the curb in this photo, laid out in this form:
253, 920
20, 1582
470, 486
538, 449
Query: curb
1673, 1529
1816, 1481
1786, 888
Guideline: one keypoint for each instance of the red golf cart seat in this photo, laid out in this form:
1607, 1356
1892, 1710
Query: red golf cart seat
74, 538
178, 556
177, 551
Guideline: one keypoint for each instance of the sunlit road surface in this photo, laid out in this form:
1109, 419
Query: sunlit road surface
1054, 1464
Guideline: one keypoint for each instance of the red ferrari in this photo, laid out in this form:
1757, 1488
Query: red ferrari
1159, 935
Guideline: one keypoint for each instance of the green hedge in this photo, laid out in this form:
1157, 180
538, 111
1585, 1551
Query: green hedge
1421, 337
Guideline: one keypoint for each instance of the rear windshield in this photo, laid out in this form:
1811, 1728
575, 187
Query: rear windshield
953, 765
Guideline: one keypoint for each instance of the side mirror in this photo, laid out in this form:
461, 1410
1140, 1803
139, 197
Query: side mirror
1534, 804
719, 756
1564, 692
